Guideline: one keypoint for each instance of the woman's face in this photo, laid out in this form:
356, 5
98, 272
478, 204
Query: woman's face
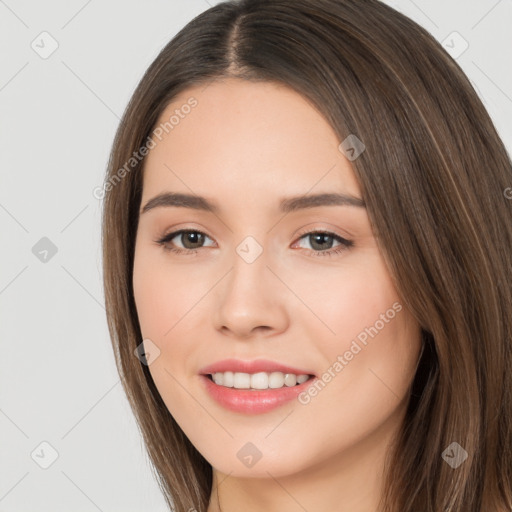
268, 285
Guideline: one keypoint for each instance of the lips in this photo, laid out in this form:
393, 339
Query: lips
252, 401
255, 366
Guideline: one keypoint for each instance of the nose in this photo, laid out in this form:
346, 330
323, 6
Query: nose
251, 301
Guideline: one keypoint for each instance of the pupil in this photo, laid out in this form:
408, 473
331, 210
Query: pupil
318, 238
193, 238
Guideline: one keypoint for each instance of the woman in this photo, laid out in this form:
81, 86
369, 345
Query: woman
307, 266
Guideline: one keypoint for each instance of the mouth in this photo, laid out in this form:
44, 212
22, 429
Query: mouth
253, 387
249, 400
258, 381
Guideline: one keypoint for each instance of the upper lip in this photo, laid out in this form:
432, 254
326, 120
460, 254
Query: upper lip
254, 366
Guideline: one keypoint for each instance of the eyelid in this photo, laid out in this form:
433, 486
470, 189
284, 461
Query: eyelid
329, 231
304, 231
173, 233
345, 243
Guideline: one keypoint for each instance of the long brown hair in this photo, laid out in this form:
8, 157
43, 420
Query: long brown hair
434, 177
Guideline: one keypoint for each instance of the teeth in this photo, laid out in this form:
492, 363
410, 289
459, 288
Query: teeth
242, 381
290, 379
302, 378
260, 380
229, 379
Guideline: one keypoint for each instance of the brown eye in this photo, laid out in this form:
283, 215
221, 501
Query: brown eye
184, 240
191, 239
322, 243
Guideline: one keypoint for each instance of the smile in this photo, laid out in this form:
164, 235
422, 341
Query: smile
255, 386
258, 381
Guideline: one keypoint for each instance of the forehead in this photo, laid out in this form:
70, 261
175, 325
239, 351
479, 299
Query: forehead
238, 137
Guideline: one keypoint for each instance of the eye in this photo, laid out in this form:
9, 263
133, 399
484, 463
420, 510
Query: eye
322, 243
190, 241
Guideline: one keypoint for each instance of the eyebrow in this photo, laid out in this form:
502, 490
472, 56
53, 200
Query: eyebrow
286, 205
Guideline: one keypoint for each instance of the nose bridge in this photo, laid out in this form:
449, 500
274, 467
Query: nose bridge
250, 298
248, 281
249, 265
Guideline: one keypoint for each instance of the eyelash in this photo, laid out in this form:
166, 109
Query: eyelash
344, 243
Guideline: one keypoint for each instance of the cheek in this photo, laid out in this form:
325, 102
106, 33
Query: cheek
164, 296
345, 299
368, 341
164, 293
169, 299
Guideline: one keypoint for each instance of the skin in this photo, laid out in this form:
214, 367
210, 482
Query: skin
246, 146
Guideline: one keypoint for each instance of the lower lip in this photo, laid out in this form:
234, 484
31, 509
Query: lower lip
252, 401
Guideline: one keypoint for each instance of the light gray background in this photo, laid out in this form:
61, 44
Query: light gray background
58, 382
